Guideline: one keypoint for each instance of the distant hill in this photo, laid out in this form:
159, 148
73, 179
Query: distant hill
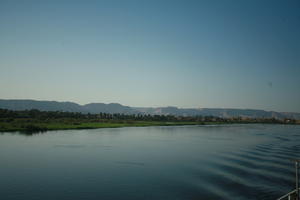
219, 112
66, 106
40, 105
108, 108
118, 108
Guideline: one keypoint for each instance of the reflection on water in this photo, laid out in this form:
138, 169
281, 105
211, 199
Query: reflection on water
189, 162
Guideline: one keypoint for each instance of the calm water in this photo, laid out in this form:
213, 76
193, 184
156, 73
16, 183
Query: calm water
191, 162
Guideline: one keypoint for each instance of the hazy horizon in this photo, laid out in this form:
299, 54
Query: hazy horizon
133, 106
188, 54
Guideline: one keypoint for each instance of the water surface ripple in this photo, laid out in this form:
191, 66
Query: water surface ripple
188, 162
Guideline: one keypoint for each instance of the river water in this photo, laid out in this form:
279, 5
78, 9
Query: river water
183, 162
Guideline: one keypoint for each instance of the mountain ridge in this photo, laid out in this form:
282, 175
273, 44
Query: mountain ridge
94, 108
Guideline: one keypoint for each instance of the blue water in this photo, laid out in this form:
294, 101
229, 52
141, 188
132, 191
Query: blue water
188, 162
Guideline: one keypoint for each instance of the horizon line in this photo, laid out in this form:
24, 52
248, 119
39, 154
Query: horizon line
63, 101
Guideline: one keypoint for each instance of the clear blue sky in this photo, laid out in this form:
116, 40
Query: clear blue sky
229, 54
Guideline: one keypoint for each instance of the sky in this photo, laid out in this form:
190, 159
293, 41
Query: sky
184, 53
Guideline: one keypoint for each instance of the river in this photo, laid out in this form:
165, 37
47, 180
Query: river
182, 162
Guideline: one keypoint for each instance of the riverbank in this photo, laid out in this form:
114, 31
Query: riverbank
45, 126
29, 126
36, 121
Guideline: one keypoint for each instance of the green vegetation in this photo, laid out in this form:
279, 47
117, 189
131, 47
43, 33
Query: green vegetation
20, 125
37, 121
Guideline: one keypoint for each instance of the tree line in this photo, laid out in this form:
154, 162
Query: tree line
48, 115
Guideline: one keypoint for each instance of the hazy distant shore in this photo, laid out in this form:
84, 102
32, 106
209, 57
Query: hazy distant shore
114, 108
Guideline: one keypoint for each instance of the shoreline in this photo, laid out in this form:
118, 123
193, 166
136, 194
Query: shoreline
42, 127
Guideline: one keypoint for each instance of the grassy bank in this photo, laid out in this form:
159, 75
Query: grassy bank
36, 121
20, 125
